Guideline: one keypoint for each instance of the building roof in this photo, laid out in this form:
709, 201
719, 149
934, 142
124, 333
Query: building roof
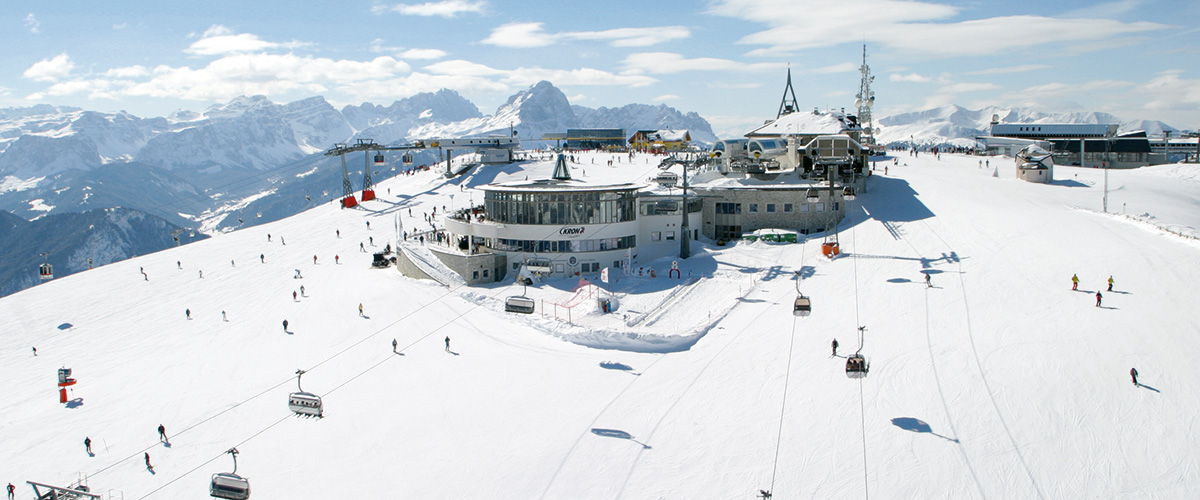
1131, 145
803, 123
1051, 130
555, 185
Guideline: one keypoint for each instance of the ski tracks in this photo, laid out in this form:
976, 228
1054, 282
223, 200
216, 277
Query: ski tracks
979, 366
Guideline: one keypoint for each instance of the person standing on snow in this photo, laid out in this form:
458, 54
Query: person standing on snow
1098, 297
87, 445
447, 343
162, 434
928, 281
314, 260
1133, 373
393, 345
302, 291
188, 312
262, 258
148, 466
1110, 282
1074, 282
835, 344
293, 295
11, 489
285, 325
360, 309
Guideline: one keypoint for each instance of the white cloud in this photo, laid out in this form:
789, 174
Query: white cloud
669, 62
377, 46
423, 54
911, 77
528, 35
228, 44
846, 67
580, 76
734, 86
519, 36
577, 98
50, 70
968, 87
462, 68
445, 8
1168, 91
120, 26
1010, 69
32, 24
665, 97
134, 71
893, 24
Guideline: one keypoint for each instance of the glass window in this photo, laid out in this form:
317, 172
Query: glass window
787, 208
670, 235
770, 208
754, 208
805, 207
820, 207
656, 236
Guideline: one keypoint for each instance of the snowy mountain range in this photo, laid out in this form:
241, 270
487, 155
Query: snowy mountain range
955, 125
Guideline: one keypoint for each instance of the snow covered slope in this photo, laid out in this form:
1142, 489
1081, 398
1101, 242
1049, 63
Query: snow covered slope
997, 382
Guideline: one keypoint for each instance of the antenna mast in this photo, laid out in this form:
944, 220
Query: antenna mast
864, 100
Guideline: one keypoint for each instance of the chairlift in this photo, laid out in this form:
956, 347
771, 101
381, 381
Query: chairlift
519, 304
803, 306
812, 195
229, 484
848, 193
857, 366
379, 161
305, 403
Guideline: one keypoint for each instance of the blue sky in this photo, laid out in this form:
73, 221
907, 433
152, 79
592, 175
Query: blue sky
724, 59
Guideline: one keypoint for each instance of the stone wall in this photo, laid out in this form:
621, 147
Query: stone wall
476, 268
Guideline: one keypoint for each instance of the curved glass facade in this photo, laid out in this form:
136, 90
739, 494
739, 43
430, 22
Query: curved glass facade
561, 208
564, 246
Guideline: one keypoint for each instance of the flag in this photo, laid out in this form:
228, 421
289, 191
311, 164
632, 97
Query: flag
604, 275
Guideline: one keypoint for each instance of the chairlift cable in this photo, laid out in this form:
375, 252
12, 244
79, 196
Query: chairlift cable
787, 375
862, 412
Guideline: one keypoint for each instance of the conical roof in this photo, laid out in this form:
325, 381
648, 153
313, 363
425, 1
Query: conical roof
561, 172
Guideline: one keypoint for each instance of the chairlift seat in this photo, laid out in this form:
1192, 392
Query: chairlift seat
231, 486
802, 307
305, 403
519, 304
848, 193
830, 249
812, 195
857, 366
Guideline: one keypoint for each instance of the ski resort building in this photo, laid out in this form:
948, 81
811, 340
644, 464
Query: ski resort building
1081, 144
611, 139
561, 227
660, 140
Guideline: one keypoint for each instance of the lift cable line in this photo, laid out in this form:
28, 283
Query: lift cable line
787, 375
861, 340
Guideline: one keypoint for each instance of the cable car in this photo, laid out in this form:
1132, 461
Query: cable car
229, 484
519, 304
305, 403
857, 366
848, 193
802, 307
46, 271
812, 195
406, 158
379, 161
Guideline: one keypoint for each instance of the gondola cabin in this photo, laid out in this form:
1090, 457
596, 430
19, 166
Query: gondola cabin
406, 158
46, 271
231, 486
848, 193
857, 366
812, 195
518, 304
305, 403
802, 307
379, 160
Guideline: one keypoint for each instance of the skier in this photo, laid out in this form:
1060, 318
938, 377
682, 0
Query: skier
11, 489
765, 493
339, 232
262, 259
231, 264
1110, 283
1133, 373
1098, 297
447, 343
835, 344
1074, 282
368, 225
148, 466
393, 345
371, 240
293, 295
87, 445
314, 260
360, 309
201, 274
302, 291
281, 241
928, 281
188, 312
268, 236
223, 318
361, 248
285, 325
335, 259
35, 351
162, 434
179, 264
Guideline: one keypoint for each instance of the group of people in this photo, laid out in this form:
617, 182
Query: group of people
1099, 296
